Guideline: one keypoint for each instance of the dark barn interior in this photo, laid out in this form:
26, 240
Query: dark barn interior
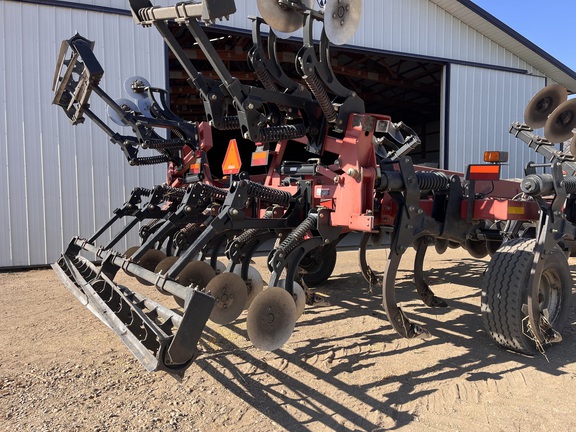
406, 89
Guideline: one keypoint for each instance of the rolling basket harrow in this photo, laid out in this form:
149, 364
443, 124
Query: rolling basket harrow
361, 181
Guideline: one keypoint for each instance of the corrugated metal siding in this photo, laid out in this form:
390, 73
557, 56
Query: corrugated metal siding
61, 180
483, 104
412, 26
118, 4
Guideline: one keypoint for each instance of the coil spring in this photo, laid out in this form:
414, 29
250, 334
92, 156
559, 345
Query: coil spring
147, 229
432, 180
213, 192
230, 123
570, 184
543, 184
189, 229
297, 235
176, 193
265, 78
182, 236
279, 133
249, 234
267, 194
321, 95
163, 144
143, 191
152, 160
268, 83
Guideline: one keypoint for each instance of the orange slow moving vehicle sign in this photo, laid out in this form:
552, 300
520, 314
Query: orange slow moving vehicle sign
232, 162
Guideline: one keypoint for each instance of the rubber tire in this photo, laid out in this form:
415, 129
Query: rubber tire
323, 269
505, 291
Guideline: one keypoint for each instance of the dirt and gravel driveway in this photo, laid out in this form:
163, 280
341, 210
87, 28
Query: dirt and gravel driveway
342, 369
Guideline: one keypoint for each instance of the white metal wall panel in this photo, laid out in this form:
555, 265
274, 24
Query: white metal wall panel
421, 27
119, 4
415, 27
483, 103
61, 180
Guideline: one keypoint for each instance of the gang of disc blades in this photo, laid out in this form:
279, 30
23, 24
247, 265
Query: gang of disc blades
543, 103
561, 123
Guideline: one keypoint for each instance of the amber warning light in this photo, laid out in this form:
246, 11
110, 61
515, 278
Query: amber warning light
495, 156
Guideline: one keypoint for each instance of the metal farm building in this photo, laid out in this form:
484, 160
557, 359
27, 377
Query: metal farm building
447, 68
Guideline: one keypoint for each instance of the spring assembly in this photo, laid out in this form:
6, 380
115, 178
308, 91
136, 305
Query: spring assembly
142, 191
156, 144
268, 83
321, 95
392, 181
148, 229
265, 78
432, 180
182, 236
296, 236
267, 194
279, 133
174, 194
249, 234
230, 123
152, 160
214, 193
543, 184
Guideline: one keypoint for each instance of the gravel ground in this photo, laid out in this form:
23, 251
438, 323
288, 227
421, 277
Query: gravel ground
343, 369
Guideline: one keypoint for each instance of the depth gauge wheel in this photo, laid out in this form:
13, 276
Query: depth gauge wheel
505, 292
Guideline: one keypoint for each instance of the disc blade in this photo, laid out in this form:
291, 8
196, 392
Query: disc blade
129, 252
298, 295
543, 103
271, 319
164, 265
196, 273
561, 123
135, 87
281, 18
341, 20
149, 261
126, 105
144, 106
255, 283
230, 293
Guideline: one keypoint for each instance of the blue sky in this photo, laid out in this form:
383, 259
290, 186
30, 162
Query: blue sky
548, 24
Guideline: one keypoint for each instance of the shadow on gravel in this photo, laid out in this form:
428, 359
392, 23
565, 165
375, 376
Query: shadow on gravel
300, 383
